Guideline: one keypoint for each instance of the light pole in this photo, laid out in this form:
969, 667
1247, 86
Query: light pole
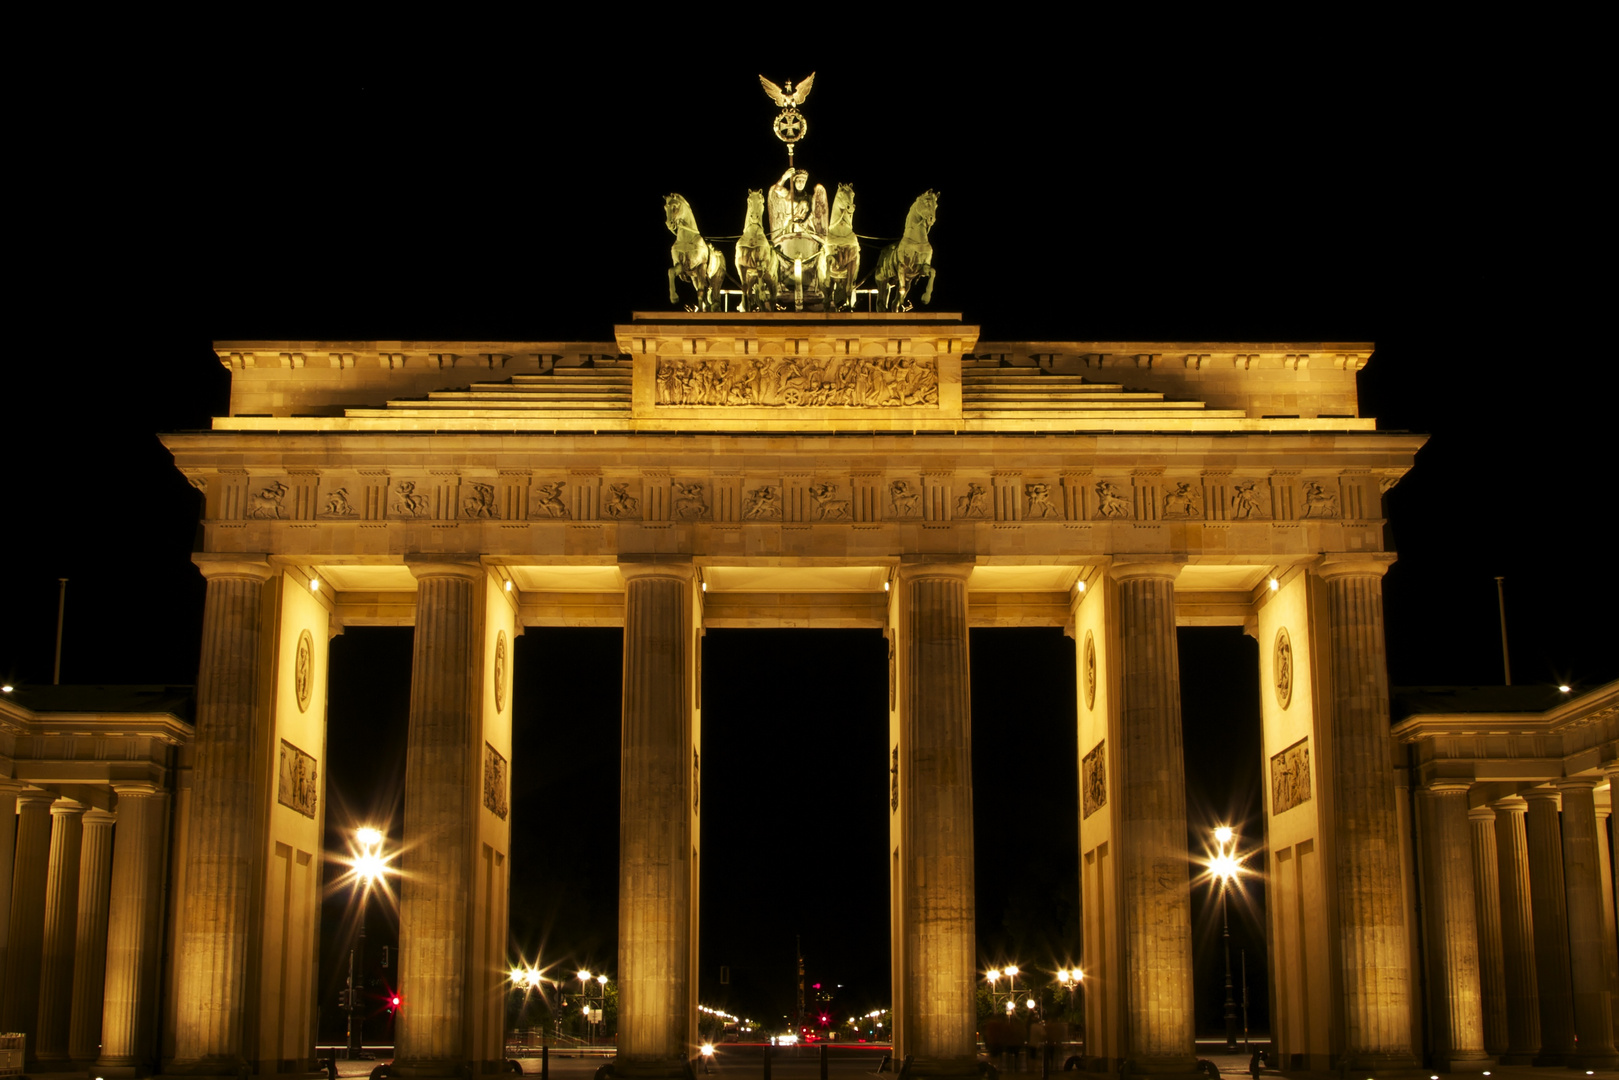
588, 992
1072, 980
1225, 866
368, 867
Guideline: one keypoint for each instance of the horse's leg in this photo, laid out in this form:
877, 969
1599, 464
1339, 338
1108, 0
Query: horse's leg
674, 296
927, 293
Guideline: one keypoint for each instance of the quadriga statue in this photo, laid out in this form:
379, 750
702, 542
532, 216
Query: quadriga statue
910, 257
695, 259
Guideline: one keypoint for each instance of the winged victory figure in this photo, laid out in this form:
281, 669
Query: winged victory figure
789, 97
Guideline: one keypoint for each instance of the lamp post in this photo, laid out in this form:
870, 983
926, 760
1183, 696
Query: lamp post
589, 992
368, 867
1224, 866
1072, 980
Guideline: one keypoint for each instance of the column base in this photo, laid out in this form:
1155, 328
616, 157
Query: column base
942, 1068
1464, 1063
1510, 1058
1593, 1061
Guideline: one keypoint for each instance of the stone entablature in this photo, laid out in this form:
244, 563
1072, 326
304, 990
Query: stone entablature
761, 372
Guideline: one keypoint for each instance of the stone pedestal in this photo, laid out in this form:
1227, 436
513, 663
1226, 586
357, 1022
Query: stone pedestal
49, 1044
134, 929
1517, 934
1371, 928
441, 780
655, 936
1156, 895
31, 868
1547, 894
936, 854
1589, 947
1455, 998
90, 943
210, 955
1487, 906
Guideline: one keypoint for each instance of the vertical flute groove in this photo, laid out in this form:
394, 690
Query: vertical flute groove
1547, 895
133, 929
1517, 933
61, 930
90, 945
1487, 912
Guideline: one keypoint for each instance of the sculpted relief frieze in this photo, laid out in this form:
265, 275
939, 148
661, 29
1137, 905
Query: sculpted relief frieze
1093, 780
859, 382
297, 780
1290, 777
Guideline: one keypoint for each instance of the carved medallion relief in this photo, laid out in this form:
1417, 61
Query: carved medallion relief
1090, 670
1282, 667
500, 671
303, 670
799, 382
1093, 779
1290, 777
297, 783
494, 782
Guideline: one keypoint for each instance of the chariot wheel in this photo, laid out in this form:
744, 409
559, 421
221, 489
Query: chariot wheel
792, 395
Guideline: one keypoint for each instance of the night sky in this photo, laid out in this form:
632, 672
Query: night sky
1363, 196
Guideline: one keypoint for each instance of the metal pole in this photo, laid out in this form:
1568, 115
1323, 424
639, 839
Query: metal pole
350, 1050
545, 1061
767, 1061
1501, 602
1245, 1001
1230, 1000
356, 1018
61, 611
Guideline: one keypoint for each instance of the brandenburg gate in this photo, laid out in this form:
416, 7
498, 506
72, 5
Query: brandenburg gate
796, 469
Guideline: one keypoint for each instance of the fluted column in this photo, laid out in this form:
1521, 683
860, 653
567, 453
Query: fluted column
442, 763
1588, 942
941, 959
8, 849
90, 944
1517, 933
654, 853
1608, 853
134, 929
1487, 907
61, 932
30, 869
1547, 894
210, 954
1365, 828
1151, 823
1455, 998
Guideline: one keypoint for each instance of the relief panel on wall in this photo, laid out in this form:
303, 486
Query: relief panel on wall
1093, 779
1290, 777
296, 787
494, 782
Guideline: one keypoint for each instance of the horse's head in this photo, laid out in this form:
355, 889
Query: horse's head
756, 206
926, 207
843, 205
676, 213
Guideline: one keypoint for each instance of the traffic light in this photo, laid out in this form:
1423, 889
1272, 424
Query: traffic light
342, 999
394, 1002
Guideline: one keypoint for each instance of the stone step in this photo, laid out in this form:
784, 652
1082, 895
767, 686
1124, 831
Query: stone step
519, 400
968, 394
487, 414
1061, 405
1103, 414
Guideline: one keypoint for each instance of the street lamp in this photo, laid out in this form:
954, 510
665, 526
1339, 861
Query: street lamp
1224, 866
369, 868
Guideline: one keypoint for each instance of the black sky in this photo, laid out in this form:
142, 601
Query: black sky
1091, 189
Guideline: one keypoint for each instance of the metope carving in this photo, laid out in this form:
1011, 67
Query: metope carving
338, 505
1090, 670
1319, 502
1093, 779
905, 499
690, 501
410, 502
1037, 502
481, 503
548, 500
1282, 667
494, 782
303, 670
1183, 501
500, 671
297, 787
827, 507
792, 382
1110, 502
696, 780
267, 502
974, 504
762, 504
620, 503
1246, 500
1290, 777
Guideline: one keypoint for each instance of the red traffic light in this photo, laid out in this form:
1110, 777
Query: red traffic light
396, 1001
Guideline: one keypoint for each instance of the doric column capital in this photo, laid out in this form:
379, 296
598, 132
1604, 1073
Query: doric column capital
1338, 564
468, 567
1510, 804
220, 564
1544, 795
8, 786
1578, 783
1134, 567
915, 567
136, 789
99, 817
1482, 813
34, 797
674, 567
1447, 786
67, 807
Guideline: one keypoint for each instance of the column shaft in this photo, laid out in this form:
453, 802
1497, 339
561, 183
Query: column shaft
210, 955
1365, 829
1455, 998
1547, 894
937, 851
134, 928
442, 779
1588, 943
654, 877
61, 933
90, 945
1517, 934
1152, 825
31, 867
1605, 858
8, 849
1487, 907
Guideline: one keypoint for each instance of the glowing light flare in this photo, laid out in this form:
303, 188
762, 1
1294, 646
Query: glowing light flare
707, 1049
368, 837
1223, 834
1566, 689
